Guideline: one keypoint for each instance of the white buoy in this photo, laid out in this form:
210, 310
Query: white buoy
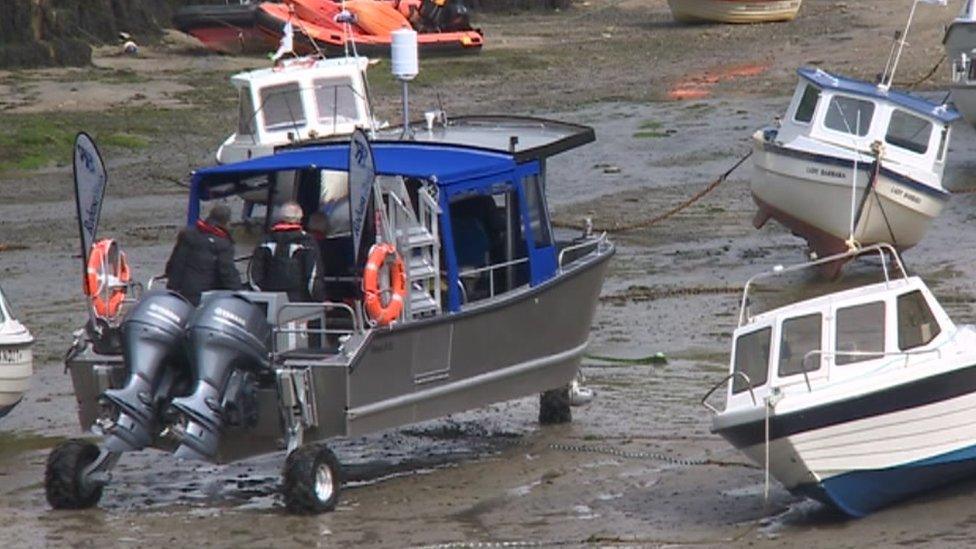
405, 66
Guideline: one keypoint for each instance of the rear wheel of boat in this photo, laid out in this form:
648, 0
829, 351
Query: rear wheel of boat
312, 480
554, 407
64, 485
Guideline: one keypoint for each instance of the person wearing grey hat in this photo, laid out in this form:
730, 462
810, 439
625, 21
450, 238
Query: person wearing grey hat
203, 257
289, 259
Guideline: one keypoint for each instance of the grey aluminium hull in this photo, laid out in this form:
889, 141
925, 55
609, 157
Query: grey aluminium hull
521, 343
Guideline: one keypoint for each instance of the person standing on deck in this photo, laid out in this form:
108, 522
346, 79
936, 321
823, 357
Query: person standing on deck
289, 260
203, 258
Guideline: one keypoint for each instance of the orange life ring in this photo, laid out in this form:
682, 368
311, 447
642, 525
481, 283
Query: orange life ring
382, 314
107, 278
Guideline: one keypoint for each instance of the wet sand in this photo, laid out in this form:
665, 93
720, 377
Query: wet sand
638, 466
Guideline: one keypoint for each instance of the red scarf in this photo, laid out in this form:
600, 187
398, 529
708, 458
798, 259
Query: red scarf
205, 227
284, 226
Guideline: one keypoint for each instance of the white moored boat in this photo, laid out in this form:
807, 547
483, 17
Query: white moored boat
852, 162
734, 11
857, 398
960, 46
15, 358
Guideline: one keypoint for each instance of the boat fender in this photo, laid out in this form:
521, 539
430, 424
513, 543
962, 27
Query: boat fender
107, 279
382, 314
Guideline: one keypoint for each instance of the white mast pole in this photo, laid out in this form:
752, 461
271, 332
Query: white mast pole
886, 82
857, 155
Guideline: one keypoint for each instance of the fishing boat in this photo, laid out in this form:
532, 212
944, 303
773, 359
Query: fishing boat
224, 28
448, 290
365, 26
852, 162
734, 11
16, 358
960, 47
857, 398
297, 99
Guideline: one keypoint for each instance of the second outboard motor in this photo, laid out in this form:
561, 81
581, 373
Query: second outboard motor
152, 343
227, 339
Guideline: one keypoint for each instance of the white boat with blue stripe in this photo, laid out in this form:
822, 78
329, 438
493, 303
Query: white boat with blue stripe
852, 163
857, 398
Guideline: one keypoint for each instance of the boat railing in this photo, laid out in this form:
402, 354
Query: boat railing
242, 259
723, 381
595, 242
490, 269
312, 311
866, 354
882, 250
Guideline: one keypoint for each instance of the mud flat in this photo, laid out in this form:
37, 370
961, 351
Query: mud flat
638, 466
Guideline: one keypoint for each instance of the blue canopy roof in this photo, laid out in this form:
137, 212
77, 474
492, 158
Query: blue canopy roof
446, 164
924, 107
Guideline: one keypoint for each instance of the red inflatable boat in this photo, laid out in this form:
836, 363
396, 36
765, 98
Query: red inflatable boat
227, 28
442, 25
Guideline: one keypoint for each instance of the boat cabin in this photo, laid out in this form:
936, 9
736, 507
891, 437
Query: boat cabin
471, 223
851, 114
847, 335
299, 99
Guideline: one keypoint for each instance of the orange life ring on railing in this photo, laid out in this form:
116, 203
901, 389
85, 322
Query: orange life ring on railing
382, 314
107, 278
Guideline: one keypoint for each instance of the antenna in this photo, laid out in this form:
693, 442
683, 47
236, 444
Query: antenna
405, 67
888, 77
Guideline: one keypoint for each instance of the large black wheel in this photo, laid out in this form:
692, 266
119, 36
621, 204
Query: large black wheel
554, 407
312, 480
63, 485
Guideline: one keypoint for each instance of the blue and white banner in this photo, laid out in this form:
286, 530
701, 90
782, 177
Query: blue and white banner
362, 174
90, 181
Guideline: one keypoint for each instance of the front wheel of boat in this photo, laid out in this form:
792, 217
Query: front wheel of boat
312, 480
554, 407
63, 483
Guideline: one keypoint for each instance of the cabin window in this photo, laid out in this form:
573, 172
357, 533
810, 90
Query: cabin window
536, 204
799, 336
282, 107
860, 332
245, 113
849, 115
916, 323
808, 104
944, 142
909, 132
335, 100
751, 359
489, 244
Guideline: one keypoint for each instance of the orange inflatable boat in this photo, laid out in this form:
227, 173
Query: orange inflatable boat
442, 25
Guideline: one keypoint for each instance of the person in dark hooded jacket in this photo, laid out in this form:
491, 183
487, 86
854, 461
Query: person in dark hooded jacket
289, 260
203, 258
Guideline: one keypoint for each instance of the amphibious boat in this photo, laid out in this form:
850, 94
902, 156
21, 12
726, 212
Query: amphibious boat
364, 26
16, 358
960, 47
447, 290
857, 398
852, 162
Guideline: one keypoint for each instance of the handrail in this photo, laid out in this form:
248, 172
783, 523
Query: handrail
752, 393
489, 268
881, 248
324, 306
872, 354
154, 279
592, 241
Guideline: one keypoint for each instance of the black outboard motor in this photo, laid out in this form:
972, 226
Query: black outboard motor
227, 340
152, 346
444, 16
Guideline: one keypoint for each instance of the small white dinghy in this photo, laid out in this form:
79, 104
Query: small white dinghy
15, 358
734, 11
852, 163
960, 46
858, 398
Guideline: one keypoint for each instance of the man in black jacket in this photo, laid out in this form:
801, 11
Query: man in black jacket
288, 260
203, 258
